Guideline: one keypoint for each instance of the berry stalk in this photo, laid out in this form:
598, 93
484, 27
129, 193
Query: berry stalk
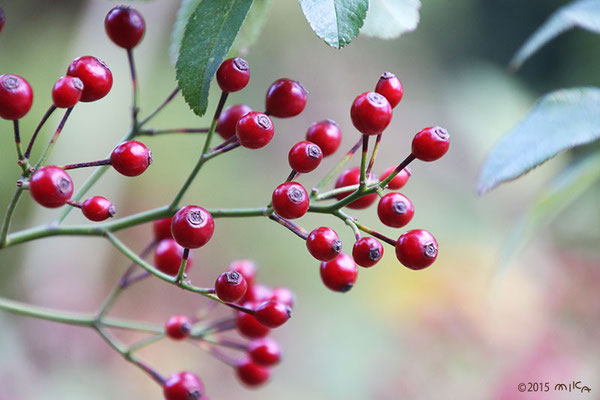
37, 130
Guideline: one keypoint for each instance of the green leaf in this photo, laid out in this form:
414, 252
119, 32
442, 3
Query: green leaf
252, 27
388, 19
560, 120
582, 13
337, 22
209, 33
183, 15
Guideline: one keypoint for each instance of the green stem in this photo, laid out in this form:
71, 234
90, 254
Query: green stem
335, 169
21, 161
37, 130
363, 162
52, 142
145, 342
184, 261
12, 205
374, 154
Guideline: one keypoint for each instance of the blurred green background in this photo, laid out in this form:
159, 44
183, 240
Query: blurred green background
459, 329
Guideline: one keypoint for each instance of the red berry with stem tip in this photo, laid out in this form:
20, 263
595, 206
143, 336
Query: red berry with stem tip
254, 130
98, 208
389, 86
168, 256
95, 75
125, 26
231, 286
416, 249
305, 157
2, 19
162, 228
352, 177
339, 274
326, 134
233, 74
229, 119
67, 92
257, 293
264, 351
249, 326
183, 386
367, 252
324, 244
51, 186
399, 180
371, 113
178, 327
252, 373
192, 227
272, 313
290, 200
131, 158
283, 295
430, 143
16, 97
395, 210
285, 98
245, 267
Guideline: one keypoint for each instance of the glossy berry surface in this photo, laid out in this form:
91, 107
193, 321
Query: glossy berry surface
324, 244
416, 249
98, 208
229, 119
389, 86
168, 256
67, 92
285, 98
254, 130
231, 286
264, 351
290, 200
233, 74
399, 180
251, 373
371, 113
51, 186
283, 295
16, 97
257, 293
245, 267
125, 26
326, 134
395, 210
339, 274
367, 252
131, 158
162, 228
430, 143
352, 177
305, 157
272, 313
178, 327
95, 75
192, 227
183, 386
249, 326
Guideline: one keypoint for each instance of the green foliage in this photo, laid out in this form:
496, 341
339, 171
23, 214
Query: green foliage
388, 19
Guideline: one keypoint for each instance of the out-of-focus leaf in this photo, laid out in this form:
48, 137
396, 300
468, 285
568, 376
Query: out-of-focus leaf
183, 14
388, 19
252, 27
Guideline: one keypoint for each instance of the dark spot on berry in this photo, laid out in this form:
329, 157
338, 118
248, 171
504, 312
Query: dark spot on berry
399, 207
376, 99
387, 75
10, 83
347, 288
442, 133
64, 185
233, 277
295, 195
150, 159
77, 83
195, 217
240, 64
185, 328
263, 121
112, 211
430, 250
313, 151
194, 395
374, 254
337, 246
301, 87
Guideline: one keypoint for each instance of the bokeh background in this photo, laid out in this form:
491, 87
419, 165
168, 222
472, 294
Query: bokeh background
460, 329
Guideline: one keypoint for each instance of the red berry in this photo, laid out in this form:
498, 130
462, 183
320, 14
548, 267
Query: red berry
389, 86
431, 143
162, 228
229, 119
192, 227
399, 180
324, 244
178, 327
272, 313
395, 210
16, 97
371, 113
283, 295
95, 75
51, 186
131, 158
125, 26
325, 134
251, 373
416, 249
352, 177
285, 98
339, 274
305, 157
183, 386
290, 200
67, 91
245, 267
264, 351
233, 74
98, 208
2, 19
168, 256
231, 286
249, 326
367, 252
257, 293
254, 130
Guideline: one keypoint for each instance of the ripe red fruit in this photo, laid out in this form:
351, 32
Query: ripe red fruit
67, 92
389, 86
305, 157
125, 26
257, 293
178, 327
326, 134
162, 228
249, 326
416, 249
229, 119
254, 130
290, 200
371, 113
272, 313
245, 267
367, 252
339, 274
251, 373
51, 186
352, 177
192, 226
16, 97
95, 75
395, 210
399, 180
131, 158
168, 256
98, 208
430, 143
324, 244
285, 98
264, 351
183, 386
230, 286
233, 74
283, 295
